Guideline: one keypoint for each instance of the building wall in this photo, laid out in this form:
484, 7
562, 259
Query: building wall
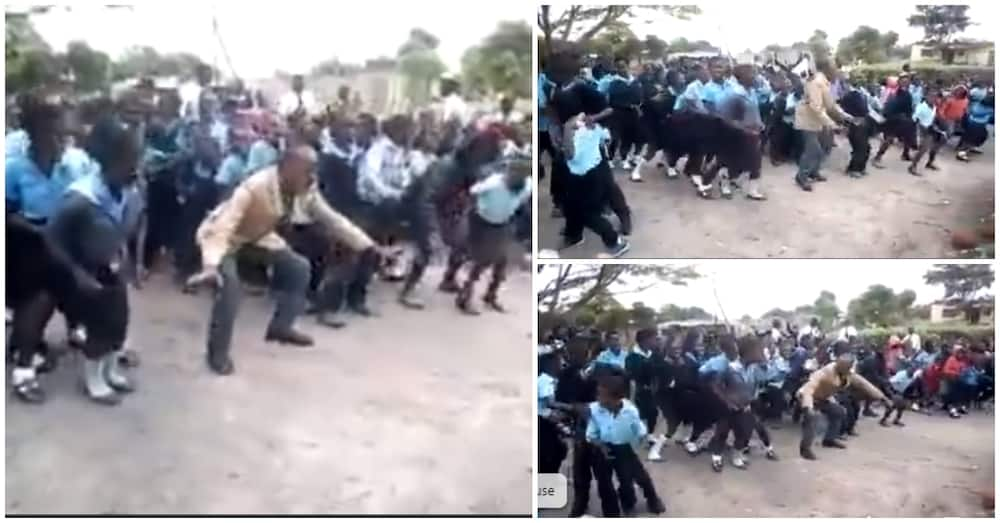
981, 57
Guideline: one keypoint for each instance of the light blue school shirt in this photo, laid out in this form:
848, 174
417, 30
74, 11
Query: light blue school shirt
713, 94
924, 115
546, 393
608, 357
692, 98
232, 171
35, 195
261, 154
715, 365
495, 202
587, 145
17, 143
623, 428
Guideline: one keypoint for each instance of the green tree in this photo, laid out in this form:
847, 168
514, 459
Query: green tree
671, 312
642, 316
29, 60
940, 24
683, 45
582, 23
420, 64
825, 308
818, 45
655, 47
866, 44
502, 62
570, 287
878, 306
91, 69
961, 284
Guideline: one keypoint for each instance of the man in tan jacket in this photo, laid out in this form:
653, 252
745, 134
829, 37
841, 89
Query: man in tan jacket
249, 219
812, 119
818, 395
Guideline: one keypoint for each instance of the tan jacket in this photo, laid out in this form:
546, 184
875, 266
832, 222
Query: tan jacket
255, 209
813, 112
825, 382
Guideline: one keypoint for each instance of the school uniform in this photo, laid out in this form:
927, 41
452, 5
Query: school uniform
551, 449
618, 432
489, 231
855, 103
587, 187
932, 133
898, 124
89, 226
624, 97
738, 144
639, 366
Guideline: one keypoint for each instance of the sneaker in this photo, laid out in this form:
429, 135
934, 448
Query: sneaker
716, 462
854, 174
691, 447
913, 170
884, 422
804, 184
672, 172
954, 413
962, 156
770, 454
726, 188
807, 453
963, 410
739, 460
636, 175
655, 506
899, 423
620, 248
931, 167
754, 193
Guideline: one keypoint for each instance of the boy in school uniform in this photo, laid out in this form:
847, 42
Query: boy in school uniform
613, 428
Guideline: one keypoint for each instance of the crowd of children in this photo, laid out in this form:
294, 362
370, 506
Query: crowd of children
240, 194
724, 118
599, 401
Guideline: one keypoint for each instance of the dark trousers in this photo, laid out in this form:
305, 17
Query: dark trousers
289, 285
200, 199
930, 142
586, 196
310, 241
347, 283
852, 407
104, 314
544, 145
617, 202
861, 149
835, 415
558, 182
583, 473
551, 449
667, 401
624, 131
162, 211
741, 424
624, 463
645, 402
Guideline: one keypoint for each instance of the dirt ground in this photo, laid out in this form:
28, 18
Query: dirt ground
933, 467
415, 412
889, 214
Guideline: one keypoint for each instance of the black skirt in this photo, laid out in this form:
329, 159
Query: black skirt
487, 243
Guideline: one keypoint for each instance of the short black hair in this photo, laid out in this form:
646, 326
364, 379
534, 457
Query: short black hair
644, 334
614, 382
39, 117
109, 138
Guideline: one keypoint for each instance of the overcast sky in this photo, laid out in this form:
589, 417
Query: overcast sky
754, 25
292, 35
756, 286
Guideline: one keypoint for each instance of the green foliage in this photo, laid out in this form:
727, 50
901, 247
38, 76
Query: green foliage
420, 64
502, 62
91, 68
671, 312
879, 336
655, 47
950, 74
961, 282
139, 61
642, 316
940, 22
825, 308
880, 306
866, 44
818, 45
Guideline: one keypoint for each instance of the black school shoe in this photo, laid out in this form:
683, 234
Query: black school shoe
834, 444
804, 184
655, 506
620, 248
807, 453
221, 365
30, 391
288, 337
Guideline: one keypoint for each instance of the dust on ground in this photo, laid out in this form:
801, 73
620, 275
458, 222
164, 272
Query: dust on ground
888, 214
933, 467
414, 412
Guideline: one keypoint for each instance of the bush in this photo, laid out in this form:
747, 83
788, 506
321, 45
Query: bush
879, 336
951, 74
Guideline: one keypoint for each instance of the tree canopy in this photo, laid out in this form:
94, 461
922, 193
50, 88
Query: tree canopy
940, 22
582, 23
420, 64
880, 306
501, 62
571, 287
961, 282
866, 44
